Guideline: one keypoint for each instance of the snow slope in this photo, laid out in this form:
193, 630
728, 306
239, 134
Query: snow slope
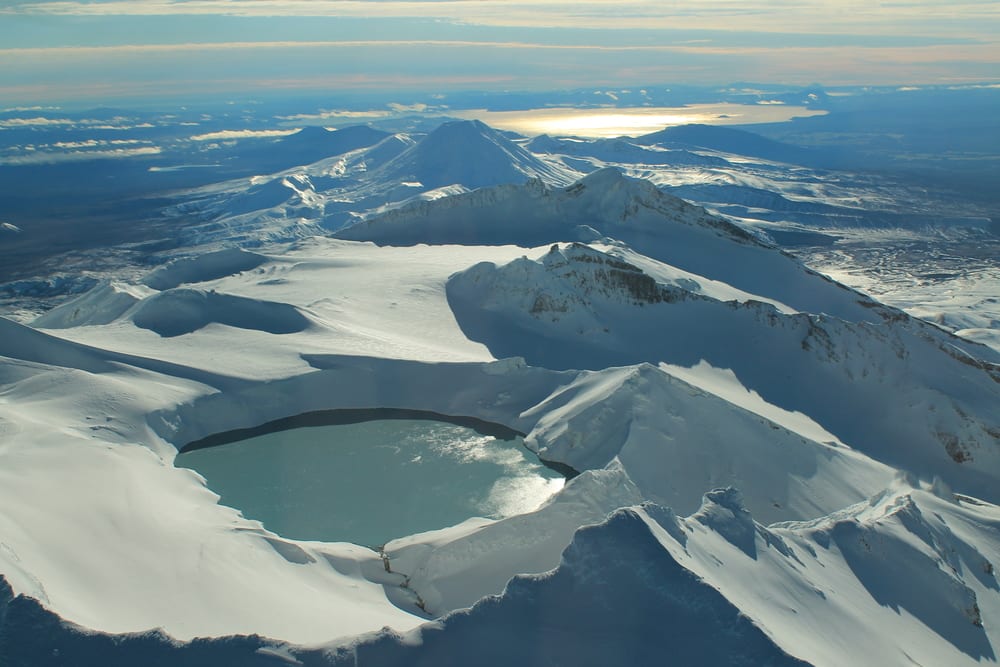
670, 357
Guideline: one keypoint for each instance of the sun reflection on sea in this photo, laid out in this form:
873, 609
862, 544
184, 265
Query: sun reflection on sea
606, 122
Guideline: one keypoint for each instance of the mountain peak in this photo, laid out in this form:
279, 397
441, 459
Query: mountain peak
463, 128
470, 153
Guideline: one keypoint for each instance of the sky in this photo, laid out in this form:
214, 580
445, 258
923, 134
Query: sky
88, 51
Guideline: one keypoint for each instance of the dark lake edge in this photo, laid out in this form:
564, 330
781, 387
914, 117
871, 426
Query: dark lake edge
341, 416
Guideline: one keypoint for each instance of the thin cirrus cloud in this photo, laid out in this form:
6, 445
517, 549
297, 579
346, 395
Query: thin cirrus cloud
974, 52
143, 71
815, 16
176, 47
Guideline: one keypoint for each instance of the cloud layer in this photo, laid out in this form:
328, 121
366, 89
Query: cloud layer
69, 49
771, 15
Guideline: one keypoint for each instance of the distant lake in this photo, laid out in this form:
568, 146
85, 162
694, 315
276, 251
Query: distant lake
634, 121
371, 482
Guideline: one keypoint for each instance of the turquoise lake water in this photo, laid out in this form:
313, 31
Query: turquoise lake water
371, 482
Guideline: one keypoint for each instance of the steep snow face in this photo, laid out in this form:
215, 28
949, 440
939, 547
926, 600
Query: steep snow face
918, 249
608, 204
660, 429
870, 385
856, 572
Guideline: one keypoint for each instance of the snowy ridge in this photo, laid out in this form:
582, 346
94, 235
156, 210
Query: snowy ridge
609, 204
25, 344
645, 421
604, 198
568, 310
856, 562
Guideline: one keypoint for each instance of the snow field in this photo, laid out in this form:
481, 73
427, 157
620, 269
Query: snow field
675, 356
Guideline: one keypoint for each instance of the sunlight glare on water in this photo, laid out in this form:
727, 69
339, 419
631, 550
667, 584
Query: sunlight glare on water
634, 121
